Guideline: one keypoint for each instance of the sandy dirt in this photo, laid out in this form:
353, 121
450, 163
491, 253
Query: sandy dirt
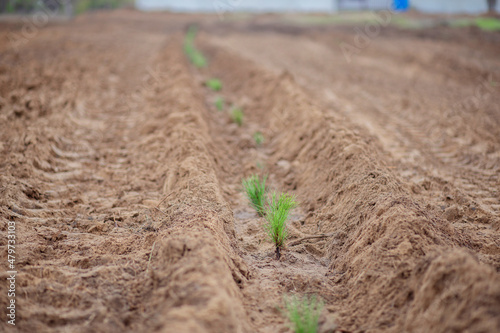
124, 179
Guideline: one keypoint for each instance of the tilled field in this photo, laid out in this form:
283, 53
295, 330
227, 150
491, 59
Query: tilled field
124, 180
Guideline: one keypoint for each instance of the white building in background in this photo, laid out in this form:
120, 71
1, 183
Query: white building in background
452, 6
328, 6
238, 5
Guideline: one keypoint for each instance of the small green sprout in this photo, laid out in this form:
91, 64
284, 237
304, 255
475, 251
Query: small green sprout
255, 190
195, 56
219, 103
276, 213
237, 116
259, 138
214, 84
198, 60
191, 34
304, 313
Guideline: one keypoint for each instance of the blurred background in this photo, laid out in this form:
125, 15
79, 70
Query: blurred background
63, 7
75, 7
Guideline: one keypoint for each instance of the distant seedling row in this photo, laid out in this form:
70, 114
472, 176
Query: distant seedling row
303, 313
236, 113
195, 56
198, 60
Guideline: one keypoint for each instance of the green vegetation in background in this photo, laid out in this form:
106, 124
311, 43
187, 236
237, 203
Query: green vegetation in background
214, 84
304, 313
9, 8
82, 6
399, 20
255, 191
219, 103
21, 6
195, 56
488, 23
360, 18
404, 22
237, 116
277, 211
259, 138
483, 23
79, 6
459, 23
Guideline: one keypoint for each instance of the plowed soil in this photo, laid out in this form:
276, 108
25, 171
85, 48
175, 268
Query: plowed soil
124, 179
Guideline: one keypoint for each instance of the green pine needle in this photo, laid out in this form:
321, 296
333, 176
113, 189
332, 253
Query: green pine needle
214, 84
195, 56
237, 116
219, 103
255, 190
277, 211
259, 138
304, 313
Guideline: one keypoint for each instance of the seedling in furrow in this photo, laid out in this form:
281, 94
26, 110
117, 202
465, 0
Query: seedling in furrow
219, 103
214, 84
276, 213
195, 56
237, 116
255, 190
304, 313
259, 138
198, 60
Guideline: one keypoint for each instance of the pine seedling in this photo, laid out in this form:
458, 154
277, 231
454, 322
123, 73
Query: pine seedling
255, 190
219, 103
191, 34
276, 213
237, 116
259, 138
198, 59
195, 56
304, 313
214, 84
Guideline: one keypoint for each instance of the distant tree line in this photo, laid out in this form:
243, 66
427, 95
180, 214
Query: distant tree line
17, 6
492, 5
79, 6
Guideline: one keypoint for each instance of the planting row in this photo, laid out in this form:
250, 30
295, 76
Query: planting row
274, 207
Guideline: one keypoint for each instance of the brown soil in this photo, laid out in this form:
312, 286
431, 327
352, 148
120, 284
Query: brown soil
124, 180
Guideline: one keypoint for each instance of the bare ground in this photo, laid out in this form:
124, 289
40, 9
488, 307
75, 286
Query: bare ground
124, 180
